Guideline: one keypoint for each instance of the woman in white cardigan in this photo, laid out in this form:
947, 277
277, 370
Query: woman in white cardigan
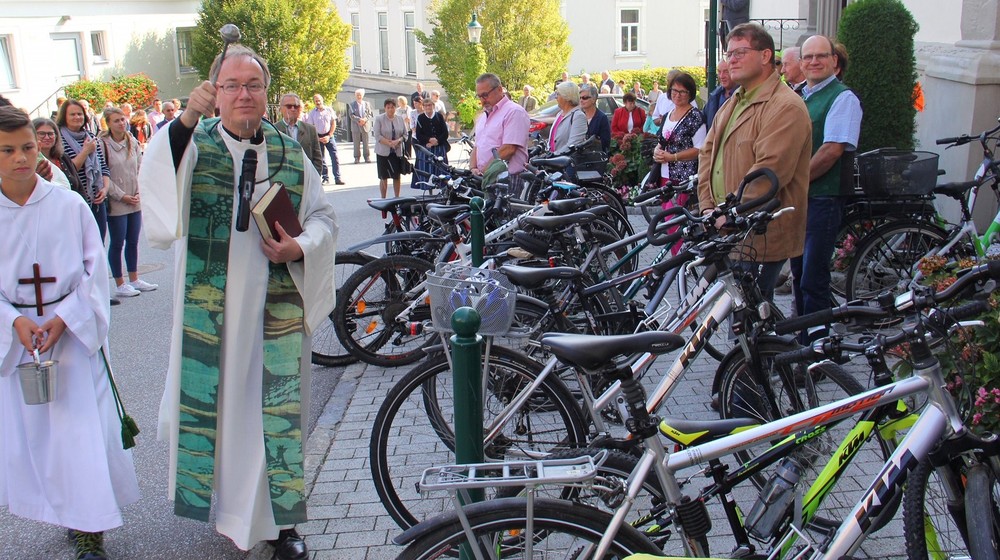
570, 126
389, 133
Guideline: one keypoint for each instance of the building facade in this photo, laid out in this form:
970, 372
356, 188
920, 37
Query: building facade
46, 45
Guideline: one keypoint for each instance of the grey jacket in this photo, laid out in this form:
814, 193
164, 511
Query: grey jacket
308, 139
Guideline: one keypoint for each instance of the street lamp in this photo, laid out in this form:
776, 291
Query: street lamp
475, 30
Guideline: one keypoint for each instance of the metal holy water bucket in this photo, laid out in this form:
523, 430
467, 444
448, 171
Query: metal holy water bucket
38, 380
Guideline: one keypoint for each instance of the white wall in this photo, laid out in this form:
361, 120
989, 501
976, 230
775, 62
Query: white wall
939, 20
670, 34
139, 37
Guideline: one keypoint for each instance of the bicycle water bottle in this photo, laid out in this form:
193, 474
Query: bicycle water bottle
774, 500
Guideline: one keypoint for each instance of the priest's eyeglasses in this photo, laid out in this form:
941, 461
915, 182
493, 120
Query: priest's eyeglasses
233, 88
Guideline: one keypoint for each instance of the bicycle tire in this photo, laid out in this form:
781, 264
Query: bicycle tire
885, 259
982, 494
371, 299
825, 383
931, 528
608, 489
326, 347
412, 429
561, 528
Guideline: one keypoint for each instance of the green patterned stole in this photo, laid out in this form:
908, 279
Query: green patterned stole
212, 194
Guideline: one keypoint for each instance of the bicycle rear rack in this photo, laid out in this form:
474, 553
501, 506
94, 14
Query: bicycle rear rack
509, 473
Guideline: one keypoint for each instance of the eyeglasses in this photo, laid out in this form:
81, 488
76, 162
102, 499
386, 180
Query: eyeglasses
232, 88
46, 134
483, 96
680, 91
291, 106
817, 57
738, 54
585, 97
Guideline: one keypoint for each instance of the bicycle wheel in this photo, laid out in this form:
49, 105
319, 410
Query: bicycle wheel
561, 530
933, 528
784, 392
982, 495
413, 427
371, 299
326, 347
607, 491
887, 257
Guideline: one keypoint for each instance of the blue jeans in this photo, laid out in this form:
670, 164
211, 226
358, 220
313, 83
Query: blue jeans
811, 271
124, 234
331, 147
100, 212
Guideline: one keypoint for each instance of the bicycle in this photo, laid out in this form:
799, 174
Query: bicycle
414, 408
887, 258
511, 527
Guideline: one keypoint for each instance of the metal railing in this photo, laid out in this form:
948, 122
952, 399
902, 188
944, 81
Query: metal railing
780, 25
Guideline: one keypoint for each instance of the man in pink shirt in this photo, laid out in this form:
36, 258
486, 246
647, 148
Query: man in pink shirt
503, 125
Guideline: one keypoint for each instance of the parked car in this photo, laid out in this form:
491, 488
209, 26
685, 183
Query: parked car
543, 117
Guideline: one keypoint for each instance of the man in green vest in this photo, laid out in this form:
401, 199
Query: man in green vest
836, 123
238, 375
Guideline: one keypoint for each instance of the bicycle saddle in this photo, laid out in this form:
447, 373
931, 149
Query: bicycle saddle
594, 353
955, 190
549, 223
695, 432
568, 205
530, 277
446, 212
558, 162
389, 204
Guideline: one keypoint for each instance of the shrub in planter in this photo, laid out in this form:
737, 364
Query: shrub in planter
879, 35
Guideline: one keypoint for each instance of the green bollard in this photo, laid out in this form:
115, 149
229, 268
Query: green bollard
467, 375
478, 240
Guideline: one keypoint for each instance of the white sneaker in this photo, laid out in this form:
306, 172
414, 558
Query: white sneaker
125, 290
144, 286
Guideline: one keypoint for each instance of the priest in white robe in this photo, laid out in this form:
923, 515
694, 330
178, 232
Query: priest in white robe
61, 462
185, 175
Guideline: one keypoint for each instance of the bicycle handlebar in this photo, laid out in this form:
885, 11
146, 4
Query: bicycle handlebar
905, 302
751, 177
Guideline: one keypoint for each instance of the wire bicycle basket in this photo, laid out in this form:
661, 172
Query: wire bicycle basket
489, 292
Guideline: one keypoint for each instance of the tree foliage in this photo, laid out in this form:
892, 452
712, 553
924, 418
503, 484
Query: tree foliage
882, 77
304, 42
135, 89
525, 42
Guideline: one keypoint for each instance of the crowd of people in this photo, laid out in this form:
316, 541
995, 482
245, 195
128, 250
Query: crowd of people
94, 175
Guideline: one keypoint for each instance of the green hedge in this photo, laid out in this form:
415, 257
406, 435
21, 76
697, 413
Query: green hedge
882, 71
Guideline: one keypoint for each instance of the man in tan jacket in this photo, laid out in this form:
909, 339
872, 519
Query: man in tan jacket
764, 124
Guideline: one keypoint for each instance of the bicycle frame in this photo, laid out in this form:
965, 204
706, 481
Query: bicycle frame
937, 420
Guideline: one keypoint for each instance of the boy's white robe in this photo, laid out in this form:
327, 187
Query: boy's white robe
61, 462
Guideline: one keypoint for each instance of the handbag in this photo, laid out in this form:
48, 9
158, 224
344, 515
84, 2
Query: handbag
405, 167
129, 428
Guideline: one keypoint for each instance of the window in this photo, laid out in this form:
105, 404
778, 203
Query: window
97, 47
185, 47
629, 31
383, 41
6, 64
356, 39
411, 43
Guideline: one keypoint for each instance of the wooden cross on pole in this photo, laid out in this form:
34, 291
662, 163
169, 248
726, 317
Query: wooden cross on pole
37, 279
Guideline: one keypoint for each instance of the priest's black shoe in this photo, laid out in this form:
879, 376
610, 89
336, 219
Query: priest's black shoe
289, 546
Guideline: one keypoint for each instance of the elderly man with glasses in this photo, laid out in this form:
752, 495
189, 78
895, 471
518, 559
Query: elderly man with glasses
237, 386
305, 134
502, 125
836, 124
764, 124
